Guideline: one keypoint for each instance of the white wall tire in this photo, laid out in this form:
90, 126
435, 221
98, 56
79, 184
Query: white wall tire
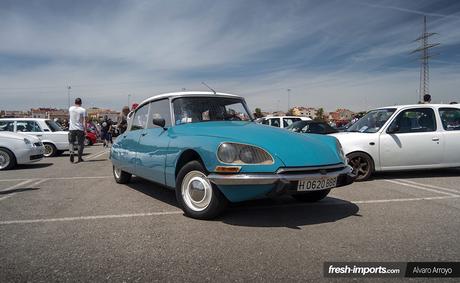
198, 197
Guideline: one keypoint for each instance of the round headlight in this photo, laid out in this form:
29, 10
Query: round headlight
227, 152
247, 155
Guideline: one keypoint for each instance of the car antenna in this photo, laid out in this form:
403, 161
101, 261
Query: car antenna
209, 87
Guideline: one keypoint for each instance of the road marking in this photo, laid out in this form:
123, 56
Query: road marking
17, 185
402, 199
431, 186
38, 182
59, 178
420, 187
78, 218
97, 154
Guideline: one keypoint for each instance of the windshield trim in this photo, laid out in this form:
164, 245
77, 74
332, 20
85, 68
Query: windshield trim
383, 127
173, 114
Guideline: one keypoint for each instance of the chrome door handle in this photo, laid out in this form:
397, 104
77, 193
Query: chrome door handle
435, 139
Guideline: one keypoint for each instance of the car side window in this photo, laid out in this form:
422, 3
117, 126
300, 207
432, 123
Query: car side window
27, 126
140, 118
265, 121
316, 128
450, 118
414, 121
288, 121
160, 109
7, 126
275, 122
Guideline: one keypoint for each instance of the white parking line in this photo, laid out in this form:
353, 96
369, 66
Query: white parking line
17, 185
97, 154
63, 219
36, 183
399, 182
431, 186
401, 199
59, 178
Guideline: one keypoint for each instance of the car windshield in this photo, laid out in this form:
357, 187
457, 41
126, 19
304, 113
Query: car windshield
53, 126
205, 109
372, 121
297, 126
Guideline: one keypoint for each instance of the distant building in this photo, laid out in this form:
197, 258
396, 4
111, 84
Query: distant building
99, 113
341, 116
14, 114
304, 111
49, 113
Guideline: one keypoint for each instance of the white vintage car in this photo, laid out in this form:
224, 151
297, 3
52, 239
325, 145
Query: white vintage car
53, 137
19, 149
406, 137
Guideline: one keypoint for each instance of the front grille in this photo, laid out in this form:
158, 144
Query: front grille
35, 157
311, 170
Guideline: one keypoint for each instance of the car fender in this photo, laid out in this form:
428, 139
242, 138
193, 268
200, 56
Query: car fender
361, 142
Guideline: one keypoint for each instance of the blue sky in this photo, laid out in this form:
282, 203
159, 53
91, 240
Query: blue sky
352, 54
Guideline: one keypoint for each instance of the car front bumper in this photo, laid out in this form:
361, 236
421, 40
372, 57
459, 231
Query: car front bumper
344, 177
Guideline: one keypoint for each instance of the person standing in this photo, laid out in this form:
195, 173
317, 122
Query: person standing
105, 131
77, 129
123, 120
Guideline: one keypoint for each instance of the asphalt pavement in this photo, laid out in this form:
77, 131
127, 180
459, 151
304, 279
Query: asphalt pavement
71, 222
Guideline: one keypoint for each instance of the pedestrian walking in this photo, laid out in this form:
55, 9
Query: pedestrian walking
105, 131
123, 120
77, 129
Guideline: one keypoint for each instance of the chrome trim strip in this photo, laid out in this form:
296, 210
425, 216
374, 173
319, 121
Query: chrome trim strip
267, 179
312, 168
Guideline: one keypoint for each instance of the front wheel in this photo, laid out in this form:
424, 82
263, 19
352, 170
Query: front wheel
121, 177
362, 165
50, 150
311, 196
7, 159
197, 196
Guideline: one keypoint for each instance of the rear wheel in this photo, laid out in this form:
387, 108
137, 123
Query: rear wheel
311, 196
7, 159
50, 150
198, 197
362, 165
121, 177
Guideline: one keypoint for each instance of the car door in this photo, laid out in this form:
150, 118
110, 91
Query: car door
411, 141
52, 133
450, 120
124, 152
275, 122
153, 143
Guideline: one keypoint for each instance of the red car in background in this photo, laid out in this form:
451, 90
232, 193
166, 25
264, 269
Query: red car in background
91, 138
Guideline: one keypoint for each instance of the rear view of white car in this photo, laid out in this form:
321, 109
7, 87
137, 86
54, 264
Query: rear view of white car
53, 137
19, 149
408, 137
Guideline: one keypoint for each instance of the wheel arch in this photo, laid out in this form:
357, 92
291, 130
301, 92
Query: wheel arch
185, 157
12, 152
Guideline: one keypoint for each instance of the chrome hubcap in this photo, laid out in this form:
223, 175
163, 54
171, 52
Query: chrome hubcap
48, 150
196, 191
117, 172
4, 159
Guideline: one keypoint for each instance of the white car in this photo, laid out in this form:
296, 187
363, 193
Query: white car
407, 137
281, 121
19, 149
53, 137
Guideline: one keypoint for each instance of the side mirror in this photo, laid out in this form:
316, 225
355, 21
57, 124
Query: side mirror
394, 128
160, 122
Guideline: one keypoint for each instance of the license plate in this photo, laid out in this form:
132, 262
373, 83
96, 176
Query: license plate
317, 183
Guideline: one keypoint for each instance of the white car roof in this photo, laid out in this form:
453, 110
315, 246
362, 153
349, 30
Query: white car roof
420, 106
187, 93
24, 119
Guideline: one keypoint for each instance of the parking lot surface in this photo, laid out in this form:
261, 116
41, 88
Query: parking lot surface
61, 221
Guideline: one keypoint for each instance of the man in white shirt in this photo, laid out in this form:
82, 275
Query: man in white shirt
77, 129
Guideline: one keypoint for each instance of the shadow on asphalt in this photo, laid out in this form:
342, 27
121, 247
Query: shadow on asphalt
7, 192
449, 172
271, 212
286, 212
34, 165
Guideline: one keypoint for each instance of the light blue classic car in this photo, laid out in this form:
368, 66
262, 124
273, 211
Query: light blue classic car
207, 148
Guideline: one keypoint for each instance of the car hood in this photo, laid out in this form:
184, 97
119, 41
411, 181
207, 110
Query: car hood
18, 136
293, 149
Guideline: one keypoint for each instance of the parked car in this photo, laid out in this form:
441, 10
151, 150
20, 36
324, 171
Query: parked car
90, 138
206, 147
50, 133
407, 137
311, 127
18, 149
282, 121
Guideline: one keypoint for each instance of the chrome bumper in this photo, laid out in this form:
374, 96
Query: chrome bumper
273, 178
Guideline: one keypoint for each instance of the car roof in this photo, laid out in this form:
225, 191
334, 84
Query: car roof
187, 94
429, 105
24, 119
